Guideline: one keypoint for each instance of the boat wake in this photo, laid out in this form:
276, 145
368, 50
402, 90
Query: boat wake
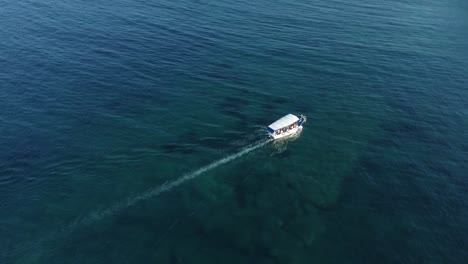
122, 205
167, 186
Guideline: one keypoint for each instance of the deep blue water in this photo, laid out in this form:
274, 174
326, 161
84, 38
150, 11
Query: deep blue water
132, 131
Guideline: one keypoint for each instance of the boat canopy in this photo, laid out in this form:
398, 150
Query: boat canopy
283, 122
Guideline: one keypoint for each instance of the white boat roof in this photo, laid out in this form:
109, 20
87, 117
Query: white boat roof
284, 122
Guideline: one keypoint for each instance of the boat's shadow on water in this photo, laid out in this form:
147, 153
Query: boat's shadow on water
279, 146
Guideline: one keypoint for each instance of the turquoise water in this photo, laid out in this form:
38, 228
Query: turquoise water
133, 131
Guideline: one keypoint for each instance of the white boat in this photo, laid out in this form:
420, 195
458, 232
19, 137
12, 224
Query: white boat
286, 126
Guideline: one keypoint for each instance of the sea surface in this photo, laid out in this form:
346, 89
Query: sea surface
133, 131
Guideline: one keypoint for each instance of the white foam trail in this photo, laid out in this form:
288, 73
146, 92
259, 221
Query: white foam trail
167, 186
101, 214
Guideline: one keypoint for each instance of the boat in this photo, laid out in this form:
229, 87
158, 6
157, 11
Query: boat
286, 126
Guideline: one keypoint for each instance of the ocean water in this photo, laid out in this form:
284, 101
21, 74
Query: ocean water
132, 131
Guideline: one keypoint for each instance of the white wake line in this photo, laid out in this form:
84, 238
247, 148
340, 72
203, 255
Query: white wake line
155, 191
167, 186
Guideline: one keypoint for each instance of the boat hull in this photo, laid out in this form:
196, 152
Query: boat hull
286, 134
